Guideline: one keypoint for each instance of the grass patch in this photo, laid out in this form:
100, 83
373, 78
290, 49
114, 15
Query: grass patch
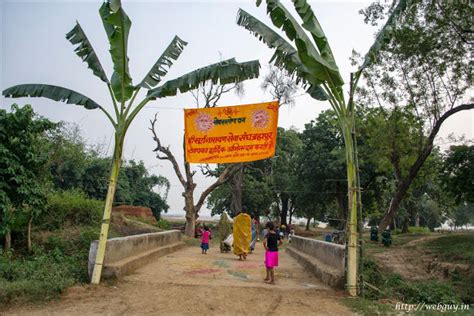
454, 247
394, 287
365, 306
56, 264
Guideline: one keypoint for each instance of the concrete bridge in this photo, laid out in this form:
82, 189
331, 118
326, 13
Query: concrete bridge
182, 281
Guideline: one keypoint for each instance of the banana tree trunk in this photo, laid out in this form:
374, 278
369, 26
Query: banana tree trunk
104, 229
347, 124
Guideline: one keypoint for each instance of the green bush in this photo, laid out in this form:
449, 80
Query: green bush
413, 230
163, 224
393, 286
70, 207
419, 230
429, 292
58, 263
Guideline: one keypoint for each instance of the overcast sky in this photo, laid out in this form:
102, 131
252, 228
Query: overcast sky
34, 50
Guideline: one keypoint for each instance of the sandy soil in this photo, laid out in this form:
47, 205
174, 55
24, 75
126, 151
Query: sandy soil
187, 282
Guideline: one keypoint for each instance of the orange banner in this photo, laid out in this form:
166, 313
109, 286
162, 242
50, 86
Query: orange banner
231, 134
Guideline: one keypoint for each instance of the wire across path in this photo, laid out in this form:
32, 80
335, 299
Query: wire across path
190, 283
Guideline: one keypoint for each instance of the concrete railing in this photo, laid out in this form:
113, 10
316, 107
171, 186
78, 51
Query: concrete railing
126, 254
324, 259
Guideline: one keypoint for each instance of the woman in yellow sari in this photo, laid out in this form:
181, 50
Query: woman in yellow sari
242, 232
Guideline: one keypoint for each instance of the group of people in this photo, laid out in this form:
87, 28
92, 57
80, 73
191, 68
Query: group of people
245, 236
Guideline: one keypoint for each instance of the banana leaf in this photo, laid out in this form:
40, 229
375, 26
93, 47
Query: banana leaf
224, 72
311, 23
117, 26
51, 92
383, 35
163, 64
85, 51
308, 54
285, 56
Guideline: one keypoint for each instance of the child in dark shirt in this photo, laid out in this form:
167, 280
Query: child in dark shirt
271, 242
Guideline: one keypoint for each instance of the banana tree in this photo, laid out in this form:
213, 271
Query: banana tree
313, 63
123, 93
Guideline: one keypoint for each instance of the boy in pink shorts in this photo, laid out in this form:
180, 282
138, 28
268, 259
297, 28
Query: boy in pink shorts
271, 242
206, 234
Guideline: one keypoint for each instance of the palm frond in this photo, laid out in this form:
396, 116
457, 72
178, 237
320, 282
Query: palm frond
55, 93
163, 64
85, 51
224, 72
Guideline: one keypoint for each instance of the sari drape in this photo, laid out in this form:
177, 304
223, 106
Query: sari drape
242, 232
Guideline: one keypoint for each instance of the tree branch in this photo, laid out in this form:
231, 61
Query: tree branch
168, 155
225, 176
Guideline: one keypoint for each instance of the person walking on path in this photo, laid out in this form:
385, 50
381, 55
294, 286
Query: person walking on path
271, 242
206, 234
254, 234
242, 232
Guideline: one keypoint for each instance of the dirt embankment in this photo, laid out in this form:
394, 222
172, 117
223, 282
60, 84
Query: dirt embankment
413, 262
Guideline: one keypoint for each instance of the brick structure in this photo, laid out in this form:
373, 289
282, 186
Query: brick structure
136, 211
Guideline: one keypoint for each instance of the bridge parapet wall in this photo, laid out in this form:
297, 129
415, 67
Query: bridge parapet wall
126, 254
324, 259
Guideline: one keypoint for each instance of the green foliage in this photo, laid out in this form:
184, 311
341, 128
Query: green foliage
419, 230
71, 208
163, 224
23, 180
393, 286
455, 247
458, 172
59, 262
77, 166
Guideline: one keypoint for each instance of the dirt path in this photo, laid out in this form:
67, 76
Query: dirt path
187, 282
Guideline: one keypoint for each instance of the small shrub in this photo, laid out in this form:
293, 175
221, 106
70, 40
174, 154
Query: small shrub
429, 292
71, 207
163, 224
58, 263
419, 230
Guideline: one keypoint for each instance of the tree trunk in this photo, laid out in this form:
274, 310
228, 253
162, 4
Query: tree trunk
28, 237
104, 229
308, 222
406, 223
236, 183
417, 219
292, 211
284, 208
404, 184
8, 241
189, 229
402, 188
